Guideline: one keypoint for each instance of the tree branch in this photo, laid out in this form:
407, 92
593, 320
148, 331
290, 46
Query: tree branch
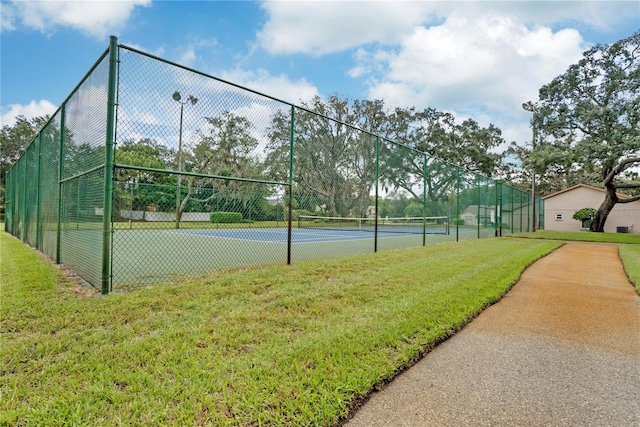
583, 129
627, 186
626, 163
621, 167
629, 200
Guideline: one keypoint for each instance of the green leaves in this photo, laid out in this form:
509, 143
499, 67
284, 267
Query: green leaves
15, 139
592, 109
590, 115
584, 213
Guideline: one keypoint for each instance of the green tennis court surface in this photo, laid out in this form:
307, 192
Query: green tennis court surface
146, 256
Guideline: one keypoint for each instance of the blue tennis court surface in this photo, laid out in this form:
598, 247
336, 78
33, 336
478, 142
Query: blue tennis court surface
279, 235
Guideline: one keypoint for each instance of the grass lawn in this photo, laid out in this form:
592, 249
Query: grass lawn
630, 255
581, 236
284, 345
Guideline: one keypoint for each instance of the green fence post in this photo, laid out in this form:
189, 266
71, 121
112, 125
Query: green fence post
457, 203
38, 188
498, 220
424, 200
529, 215
60, 184
291, 142
375, 234
479, 198
512, 203
521, 215
7, 202
25, 224
108, 166
540, 212
486, 199
78, 204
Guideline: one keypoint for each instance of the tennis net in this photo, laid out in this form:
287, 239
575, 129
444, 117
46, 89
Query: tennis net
412, 225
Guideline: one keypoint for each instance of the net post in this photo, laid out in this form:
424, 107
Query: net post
108, 166
291, 140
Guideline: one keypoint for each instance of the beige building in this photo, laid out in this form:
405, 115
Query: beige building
475, 215
559, 209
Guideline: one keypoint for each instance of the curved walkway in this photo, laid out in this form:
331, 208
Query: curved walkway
562, 348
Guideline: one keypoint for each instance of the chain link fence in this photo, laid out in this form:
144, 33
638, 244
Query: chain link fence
152, 172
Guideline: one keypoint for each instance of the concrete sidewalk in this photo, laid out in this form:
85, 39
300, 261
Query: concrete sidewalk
562, 348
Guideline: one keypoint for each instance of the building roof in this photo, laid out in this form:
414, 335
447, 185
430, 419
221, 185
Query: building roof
590, 187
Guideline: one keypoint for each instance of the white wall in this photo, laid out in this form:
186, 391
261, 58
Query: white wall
567, 203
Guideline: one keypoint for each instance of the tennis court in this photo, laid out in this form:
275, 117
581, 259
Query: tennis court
145, 256
110, 204
325, 229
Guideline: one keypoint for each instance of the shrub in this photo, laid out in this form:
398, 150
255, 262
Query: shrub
414, 209
584, 213
226, 217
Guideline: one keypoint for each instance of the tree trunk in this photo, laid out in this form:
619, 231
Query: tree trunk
183, 204
610, 200
178, 218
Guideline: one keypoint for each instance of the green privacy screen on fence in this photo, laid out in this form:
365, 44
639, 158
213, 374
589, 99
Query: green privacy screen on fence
153, 172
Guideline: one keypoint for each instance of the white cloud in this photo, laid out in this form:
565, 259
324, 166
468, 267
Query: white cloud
95, 18
601, 15
33, 109
187, 57
490, 58
280, 87
319, 27
489, 63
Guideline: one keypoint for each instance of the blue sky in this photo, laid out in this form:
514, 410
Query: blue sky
476, 59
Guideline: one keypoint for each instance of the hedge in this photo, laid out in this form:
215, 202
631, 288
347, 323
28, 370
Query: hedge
226, 217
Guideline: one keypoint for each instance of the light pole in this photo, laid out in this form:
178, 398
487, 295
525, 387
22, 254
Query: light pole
190, 99
531, 107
